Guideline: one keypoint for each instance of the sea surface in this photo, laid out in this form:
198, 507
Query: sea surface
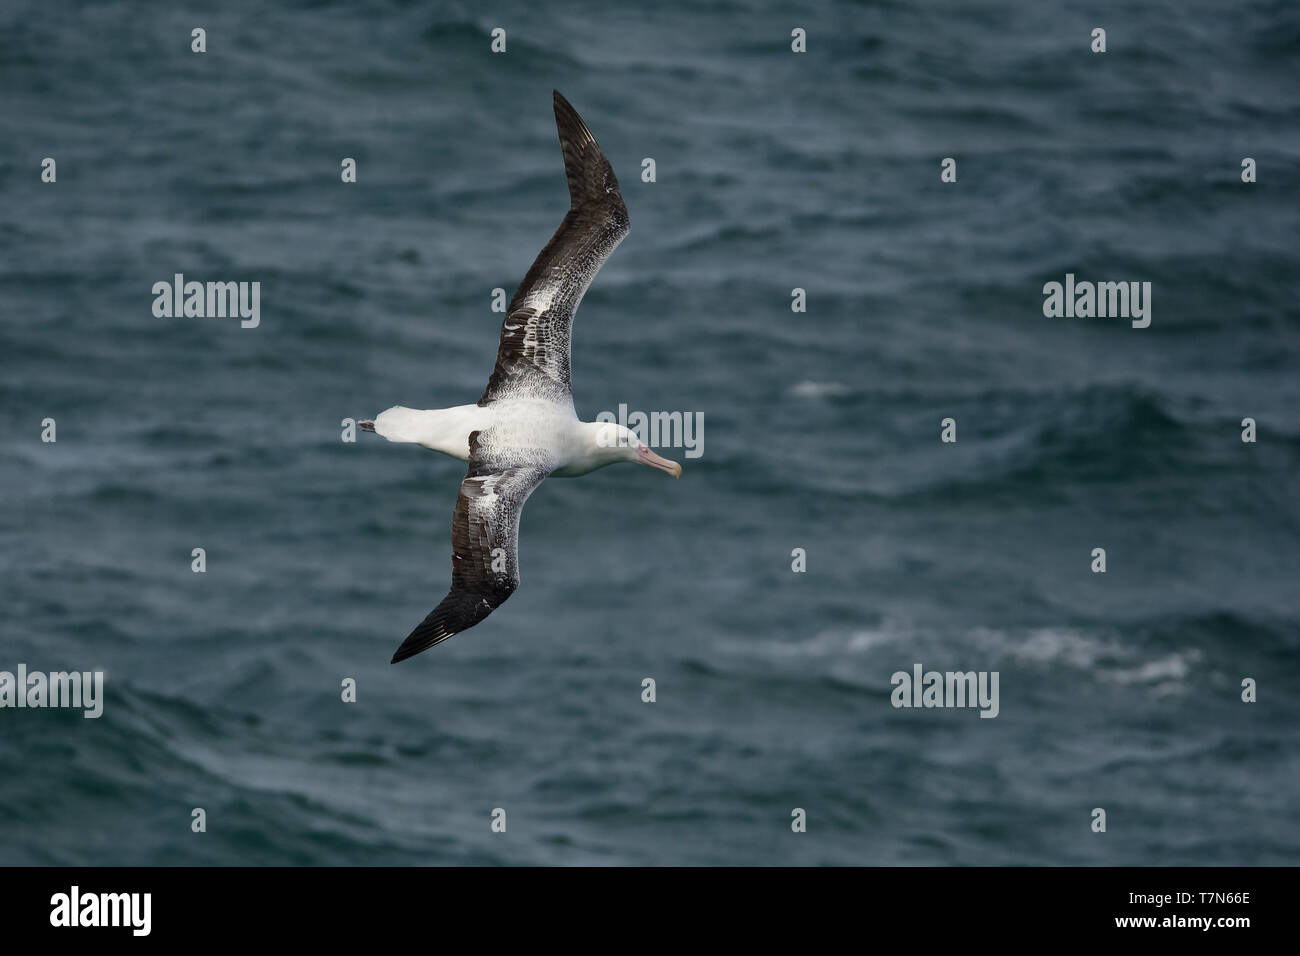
774, 171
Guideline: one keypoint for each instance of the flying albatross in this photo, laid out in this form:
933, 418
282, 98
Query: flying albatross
524, 428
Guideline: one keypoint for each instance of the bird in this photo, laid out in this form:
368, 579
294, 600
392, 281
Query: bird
524, 427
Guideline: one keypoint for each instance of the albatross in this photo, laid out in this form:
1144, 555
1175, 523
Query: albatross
524, 428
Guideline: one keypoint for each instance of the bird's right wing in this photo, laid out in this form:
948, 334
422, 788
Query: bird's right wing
485, 551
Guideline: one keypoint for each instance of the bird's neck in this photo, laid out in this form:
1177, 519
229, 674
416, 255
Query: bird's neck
589, 452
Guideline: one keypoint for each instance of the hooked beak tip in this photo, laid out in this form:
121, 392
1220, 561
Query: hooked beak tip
663, 464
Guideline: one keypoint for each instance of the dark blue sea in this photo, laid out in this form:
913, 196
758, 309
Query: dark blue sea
774, 171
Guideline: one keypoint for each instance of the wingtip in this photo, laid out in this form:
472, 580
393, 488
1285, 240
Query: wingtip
565, 114
410, 647
404, 650
421, 639
405, 653
590, 175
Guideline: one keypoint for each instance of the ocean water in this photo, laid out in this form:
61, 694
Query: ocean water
775, 171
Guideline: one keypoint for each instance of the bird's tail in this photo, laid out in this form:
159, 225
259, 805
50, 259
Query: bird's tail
399, 424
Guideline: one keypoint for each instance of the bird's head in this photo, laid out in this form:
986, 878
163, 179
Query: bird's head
619, 443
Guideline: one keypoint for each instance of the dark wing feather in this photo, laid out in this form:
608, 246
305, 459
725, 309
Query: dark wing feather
485, 550
533, 358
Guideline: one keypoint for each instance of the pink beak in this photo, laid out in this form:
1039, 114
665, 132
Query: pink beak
647, 457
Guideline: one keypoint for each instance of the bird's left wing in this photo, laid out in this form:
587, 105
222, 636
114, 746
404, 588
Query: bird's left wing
533, 357
485, 551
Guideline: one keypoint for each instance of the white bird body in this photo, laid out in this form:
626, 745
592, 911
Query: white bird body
572, 447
